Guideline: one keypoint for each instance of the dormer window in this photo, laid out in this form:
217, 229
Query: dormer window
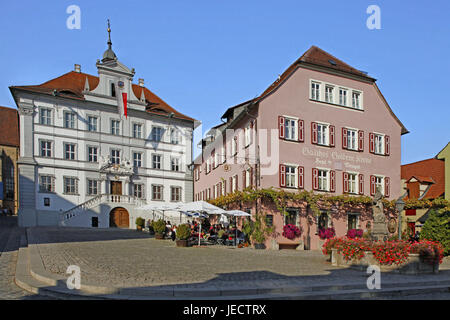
113, 89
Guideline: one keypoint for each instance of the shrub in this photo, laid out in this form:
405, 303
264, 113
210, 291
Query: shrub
159, 226
327, 233
291, 232
437, 228
354, 233
140, 222
183, 232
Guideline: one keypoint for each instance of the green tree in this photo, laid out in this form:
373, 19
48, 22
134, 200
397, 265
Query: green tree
437, 228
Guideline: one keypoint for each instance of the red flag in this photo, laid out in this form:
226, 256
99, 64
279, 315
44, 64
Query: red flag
124, 98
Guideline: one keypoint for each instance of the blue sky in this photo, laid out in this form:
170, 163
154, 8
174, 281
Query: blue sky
202, 57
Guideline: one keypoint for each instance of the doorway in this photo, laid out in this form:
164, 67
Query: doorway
119, 218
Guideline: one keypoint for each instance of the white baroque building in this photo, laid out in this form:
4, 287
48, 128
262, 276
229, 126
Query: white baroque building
93, 149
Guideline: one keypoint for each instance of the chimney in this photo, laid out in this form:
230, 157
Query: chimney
141, 82
77, 68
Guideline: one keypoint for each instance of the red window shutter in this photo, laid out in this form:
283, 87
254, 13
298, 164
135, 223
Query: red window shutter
301, 130
332, 135
237, 182
281, 127
361, 183
387, 185
301, 177
315, 178
372, 185
244, 185
251, 177
231, 184
345, 181
344, 138
360, 140
282, 175
313, 132
387, 145
332, 181
213, 155
371, 142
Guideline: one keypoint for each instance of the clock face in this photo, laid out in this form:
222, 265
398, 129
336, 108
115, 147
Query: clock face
120, 84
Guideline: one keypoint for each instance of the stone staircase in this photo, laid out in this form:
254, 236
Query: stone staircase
84, 207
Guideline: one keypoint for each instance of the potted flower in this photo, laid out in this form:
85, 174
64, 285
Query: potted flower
140, 223
326, 233
291, 231
354, 233
159, 227
182, 235
259, 233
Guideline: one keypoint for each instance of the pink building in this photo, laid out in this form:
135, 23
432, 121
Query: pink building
322, 125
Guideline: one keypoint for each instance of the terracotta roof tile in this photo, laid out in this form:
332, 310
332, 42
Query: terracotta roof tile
71, 85
9, 126
433, 168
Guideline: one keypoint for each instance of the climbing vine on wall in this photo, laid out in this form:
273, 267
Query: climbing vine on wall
316, 202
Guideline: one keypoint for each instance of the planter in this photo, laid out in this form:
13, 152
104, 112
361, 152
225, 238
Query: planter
260, 246
414, 265
288, 246
139, 228
159, 236
182, 243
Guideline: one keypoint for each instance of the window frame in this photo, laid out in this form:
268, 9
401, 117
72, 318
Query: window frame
75, 185
73, 152
115, 131
49, 116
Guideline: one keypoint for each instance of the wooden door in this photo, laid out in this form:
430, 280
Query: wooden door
116, 187
119, 218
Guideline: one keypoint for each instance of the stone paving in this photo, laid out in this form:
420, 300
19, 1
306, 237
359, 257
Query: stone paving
127, 258
9, 244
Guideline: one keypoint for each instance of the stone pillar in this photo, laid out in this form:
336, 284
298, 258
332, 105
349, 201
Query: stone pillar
27, 168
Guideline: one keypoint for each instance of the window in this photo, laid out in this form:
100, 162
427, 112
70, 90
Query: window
353, 183
356, 100
234, 146
323, 220
46, 149
379, 185
46, 183
248, 134
92, 154
175, 194
69, 120
290, 132
92, 123
70, 185
291, 177
329, 90
248, 177
9, 188
315, 91
156, 161
234, 184
115, 127
323, 180
113, 89
69, 151
352, 139
137, 159
115, 156
175, 136
92, 187
137, 130
47, 202
138, 191
175, 164
343, 97
45, 116
291, 217
322, 134
379, 144
352, 221
157, 133
157, 192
